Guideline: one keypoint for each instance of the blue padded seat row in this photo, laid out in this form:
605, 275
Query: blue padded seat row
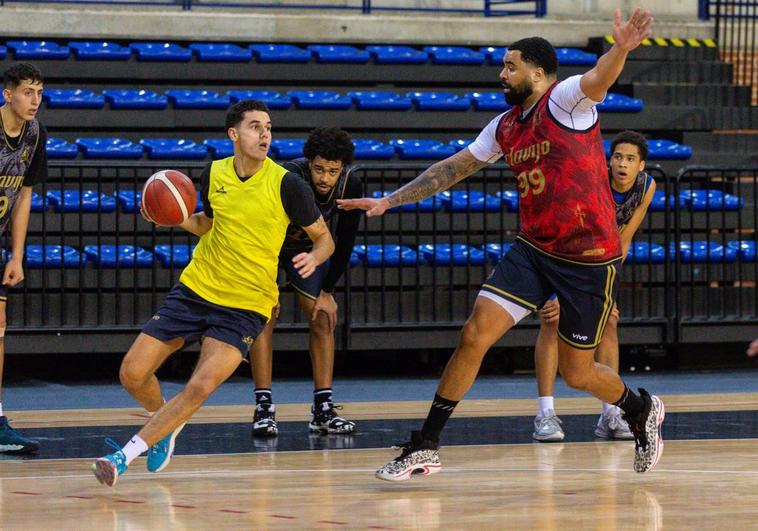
372, 149
198, 99
439, 101
57, 148
376, 255
39, 203
73, 98
456, 254
496, 251
575, 57
110, 148
118, 256
84, 201
658, 204
339, 53
161, 51
129, 200
100, 51
703, 251
746, 249
220, 148
473, 201
488, 101
320, 99
3, 52
173, 148
460, 143
620, 103
38, 50
430, 204
380, 101
174, 255
702, 200
221, 53
494, 54
510, 198
135, 99
659, 150
58, 256
422, 148
396, 55
454, 55
280, 53
645, 252
287, 148
271, 98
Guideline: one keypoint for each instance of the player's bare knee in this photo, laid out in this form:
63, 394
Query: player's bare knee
131, 376
199, 389
471, 339
575, 377
320, 327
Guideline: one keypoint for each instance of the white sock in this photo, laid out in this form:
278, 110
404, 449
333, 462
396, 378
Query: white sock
1, 409
134, 448
610, 409
544, 404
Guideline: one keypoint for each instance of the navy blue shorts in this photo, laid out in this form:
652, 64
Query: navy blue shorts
186, 314
309, 287
527, 276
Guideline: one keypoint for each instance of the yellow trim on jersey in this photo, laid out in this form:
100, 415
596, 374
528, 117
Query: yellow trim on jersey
235, 263
507, 295
303, 293
608, 305
566, 259
3, 299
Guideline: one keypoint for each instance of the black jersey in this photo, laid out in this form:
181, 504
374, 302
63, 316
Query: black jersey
627, 202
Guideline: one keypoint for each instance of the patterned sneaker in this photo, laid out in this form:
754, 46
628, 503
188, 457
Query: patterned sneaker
612, 426
159, 455
264, 421
11, 441
107, 469
419, 457
646, 429
327, 420
548, 428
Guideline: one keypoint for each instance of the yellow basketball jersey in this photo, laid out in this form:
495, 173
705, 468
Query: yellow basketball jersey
235, 263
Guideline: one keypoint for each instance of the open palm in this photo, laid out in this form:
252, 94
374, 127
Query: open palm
629, 35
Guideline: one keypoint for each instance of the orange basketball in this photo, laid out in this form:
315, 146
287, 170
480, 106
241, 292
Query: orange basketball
169, 197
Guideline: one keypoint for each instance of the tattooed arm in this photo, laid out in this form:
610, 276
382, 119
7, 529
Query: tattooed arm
438, 177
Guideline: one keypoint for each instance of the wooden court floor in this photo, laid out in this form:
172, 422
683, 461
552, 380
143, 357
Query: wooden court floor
698, 484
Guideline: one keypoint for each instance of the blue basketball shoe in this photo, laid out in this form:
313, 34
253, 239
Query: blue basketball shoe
107, 469
12, 442
159, 455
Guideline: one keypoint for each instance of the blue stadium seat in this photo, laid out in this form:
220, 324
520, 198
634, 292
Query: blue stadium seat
377, 255
494, 54
460, 144
100, 51
644, 252
38, 50
488, 101
174, 255
354, 259
85, 201
366, 148
161, 51
73, 98
220, 148
714, 200
458, 254
574, 57
39, 203
375, 100
280, 53
126, 256
745, 249
129, 200
510, 198
339, 53
439, 101
607, 148
135, 99
173, 148
668, 150
287, 148
57, 148
430, 204
197, 99
221, 53
38, 256
110, 148
658, 204
3, 52
496, 251
396, 55
703, 251
454, 55
473, 201
620, 103
423, 148
320, 99
272, 99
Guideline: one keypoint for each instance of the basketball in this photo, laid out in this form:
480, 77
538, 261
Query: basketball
169, 197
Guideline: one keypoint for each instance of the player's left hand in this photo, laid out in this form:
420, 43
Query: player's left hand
628, 36
326, 303
14, 273
305, 263
752, 350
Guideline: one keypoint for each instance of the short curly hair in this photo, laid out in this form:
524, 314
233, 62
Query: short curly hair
634, 138
329, 143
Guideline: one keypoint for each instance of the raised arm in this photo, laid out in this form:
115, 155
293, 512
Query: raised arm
627, 37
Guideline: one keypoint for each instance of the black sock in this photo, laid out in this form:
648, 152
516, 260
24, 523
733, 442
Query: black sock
440, 411
320, 396
262, 396
630, 403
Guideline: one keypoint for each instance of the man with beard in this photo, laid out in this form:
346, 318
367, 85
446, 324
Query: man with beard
568, 243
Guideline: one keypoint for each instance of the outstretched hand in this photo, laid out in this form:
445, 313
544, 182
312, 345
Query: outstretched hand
629, 35
372, 206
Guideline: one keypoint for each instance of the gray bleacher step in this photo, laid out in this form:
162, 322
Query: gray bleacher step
723, 142
661, 53
701, 94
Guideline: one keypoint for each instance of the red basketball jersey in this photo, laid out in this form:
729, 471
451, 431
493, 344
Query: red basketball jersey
565, 200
